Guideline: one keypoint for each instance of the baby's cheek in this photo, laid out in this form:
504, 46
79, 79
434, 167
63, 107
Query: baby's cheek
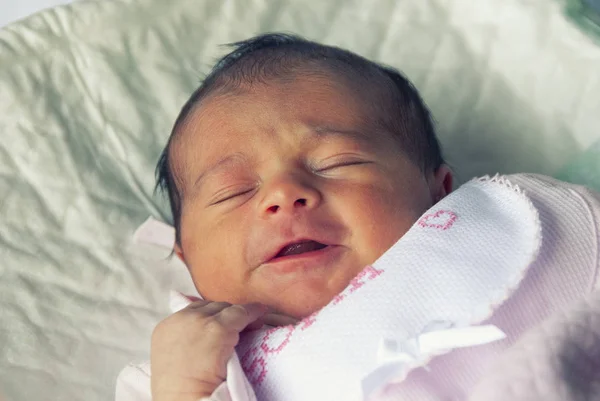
386, 225
211, 262
216, 282
385, 238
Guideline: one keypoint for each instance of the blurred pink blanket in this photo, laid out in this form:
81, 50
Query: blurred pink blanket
559, 360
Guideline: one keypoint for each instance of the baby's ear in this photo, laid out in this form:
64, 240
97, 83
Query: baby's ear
179, 252
441, 183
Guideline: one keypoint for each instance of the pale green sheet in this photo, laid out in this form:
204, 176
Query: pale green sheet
584, 169
88, 94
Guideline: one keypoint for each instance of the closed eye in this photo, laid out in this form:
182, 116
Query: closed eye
341, 164
221, 198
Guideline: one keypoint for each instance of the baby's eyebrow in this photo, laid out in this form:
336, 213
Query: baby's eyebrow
233, 158
322, 131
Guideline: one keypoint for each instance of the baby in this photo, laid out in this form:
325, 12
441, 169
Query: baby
289, 170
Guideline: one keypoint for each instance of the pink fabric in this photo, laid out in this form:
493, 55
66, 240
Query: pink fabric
564, 274
558, 360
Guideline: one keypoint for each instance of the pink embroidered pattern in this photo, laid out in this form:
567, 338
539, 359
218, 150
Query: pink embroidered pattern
276, 349
368, 274
255, 364
338, 298
273, 341
308, 321
254, 367
441, 220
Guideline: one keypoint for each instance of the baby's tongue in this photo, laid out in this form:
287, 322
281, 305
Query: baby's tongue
301, 247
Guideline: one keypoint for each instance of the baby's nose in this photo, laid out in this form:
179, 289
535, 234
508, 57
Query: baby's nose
290, 195
298, 203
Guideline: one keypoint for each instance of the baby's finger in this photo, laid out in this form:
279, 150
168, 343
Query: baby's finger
274, 319
197, 304
211, 308
238, 317
255, 325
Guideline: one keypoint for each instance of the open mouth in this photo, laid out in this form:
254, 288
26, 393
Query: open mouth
298, 248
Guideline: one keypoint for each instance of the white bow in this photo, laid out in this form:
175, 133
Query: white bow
395, 356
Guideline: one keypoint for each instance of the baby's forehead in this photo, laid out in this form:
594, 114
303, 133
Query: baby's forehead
303, 111
314, 101
343, 100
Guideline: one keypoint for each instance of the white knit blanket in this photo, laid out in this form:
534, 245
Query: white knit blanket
459, 262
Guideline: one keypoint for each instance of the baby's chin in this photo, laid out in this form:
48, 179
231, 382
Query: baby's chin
300, 305
287, 303
301, 311
302, 297
297, 294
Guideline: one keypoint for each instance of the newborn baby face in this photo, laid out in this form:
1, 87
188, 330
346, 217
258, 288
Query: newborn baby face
288, 191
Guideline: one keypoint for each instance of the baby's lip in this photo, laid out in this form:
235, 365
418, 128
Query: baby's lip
295, 247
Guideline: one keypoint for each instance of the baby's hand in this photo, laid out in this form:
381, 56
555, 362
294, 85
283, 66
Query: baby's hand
190, 348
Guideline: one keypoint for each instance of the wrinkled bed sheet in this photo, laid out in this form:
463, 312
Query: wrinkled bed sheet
14, 10
88, 93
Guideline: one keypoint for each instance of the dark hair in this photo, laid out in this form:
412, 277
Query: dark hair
276, 55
